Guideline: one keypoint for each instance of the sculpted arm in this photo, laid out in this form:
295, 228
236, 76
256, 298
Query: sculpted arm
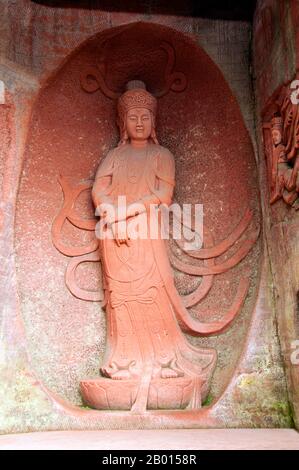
103, 180
163, 190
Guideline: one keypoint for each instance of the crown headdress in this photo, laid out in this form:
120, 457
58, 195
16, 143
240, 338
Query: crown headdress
136, 96
277, 123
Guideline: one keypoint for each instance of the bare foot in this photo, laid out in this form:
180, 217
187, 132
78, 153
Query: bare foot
167, 373
120, 375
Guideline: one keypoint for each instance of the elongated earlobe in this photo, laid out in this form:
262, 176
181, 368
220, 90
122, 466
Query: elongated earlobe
154, 136
123, 133
124, 137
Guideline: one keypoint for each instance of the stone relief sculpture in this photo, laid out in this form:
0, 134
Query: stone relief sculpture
93, 78
281, 147
149, 363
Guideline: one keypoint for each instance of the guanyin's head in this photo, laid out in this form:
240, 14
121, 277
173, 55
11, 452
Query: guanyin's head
137, 114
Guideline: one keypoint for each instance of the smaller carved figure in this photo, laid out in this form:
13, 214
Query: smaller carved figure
283, 152
281, 170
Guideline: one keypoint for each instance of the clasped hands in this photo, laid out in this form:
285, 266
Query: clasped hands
116, 218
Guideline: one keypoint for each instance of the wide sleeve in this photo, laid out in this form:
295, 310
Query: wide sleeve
164, 169
103, 180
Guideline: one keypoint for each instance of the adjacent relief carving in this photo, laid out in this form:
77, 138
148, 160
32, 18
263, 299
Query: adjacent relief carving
281, 140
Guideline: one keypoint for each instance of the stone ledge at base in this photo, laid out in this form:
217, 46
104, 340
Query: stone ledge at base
188, 439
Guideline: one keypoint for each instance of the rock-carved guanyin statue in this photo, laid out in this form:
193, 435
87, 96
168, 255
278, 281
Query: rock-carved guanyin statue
149, 363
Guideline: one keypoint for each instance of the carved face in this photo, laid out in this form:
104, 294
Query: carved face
139, 123
276, 136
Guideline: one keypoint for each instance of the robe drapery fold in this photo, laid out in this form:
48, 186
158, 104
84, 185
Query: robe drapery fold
143, 305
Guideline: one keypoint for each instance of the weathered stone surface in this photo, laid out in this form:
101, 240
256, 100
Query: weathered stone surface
35, 41
274, 53
188, 439
278, 38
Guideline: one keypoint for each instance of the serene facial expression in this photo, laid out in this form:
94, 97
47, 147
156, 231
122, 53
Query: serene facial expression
276, 136
139, 123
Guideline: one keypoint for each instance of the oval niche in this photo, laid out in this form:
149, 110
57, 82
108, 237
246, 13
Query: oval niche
71, 130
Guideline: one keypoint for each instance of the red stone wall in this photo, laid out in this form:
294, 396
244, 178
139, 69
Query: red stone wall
39, 65
276, 52
71, 130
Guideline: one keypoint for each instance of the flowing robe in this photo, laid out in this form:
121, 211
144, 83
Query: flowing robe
144, 337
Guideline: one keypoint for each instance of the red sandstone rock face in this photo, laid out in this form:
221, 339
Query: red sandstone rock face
276, 50
65, 339
5, 130
71, 131
294, 13
274, 55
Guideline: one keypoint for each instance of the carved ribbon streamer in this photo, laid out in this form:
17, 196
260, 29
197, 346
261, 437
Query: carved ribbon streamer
190, 324
86, 253
206, 284
90, 253
193, 326
70, 196
175, 81
92, 78
240, 254
83, 224
224, 245
70, 279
